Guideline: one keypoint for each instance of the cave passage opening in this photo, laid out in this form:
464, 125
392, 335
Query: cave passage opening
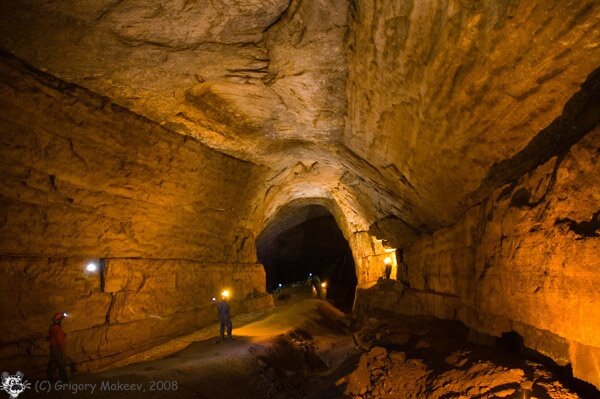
304, 241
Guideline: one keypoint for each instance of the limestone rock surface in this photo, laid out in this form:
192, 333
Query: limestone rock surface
458, 135
404, 106
163, 217
231, 73
439, 91
86, 178
523, 261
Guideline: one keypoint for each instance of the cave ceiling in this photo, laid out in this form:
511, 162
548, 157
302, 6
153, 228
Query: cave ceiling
405, 104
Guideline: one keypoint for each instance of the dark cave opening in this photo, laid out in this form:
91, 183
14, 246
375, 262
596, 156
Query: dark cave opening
305, 241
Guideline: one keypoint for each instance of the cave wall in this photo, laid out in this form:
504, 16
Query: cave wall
524, 260
84, 179
440, 90
463, 100
437, 94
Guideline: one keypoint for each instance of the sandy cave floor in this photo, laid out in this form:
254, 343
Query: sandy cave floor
304, 348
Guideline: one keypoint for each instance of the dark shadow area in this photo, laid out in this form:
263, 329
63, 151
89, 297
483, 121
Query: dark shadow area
511, 342
307, 241
584, 228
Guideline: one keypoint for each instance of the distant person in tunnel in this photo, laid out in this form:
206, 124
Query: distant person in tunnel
323, 291
314, 282
57, 340
224, 316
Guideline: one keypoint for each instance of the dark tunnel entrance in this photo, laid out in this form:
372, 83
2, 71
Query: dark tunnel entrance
307, 240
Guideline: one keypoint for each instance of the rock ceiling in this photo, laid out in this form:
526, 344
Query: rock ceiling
247, 77
402, 105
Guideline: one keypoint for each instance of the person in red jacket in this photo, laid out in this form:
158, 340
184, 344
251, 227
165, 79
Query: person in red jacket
57, 342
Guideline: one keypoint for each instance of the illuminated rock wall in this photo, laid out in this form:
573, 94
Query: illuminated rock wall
413, 131
85, 180
524, 260
452, 102
441, 90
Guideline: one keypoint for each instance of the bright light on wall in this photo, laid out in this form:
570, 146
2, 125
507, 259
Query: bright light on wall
91, 267
387, 260
324, 284
225, 294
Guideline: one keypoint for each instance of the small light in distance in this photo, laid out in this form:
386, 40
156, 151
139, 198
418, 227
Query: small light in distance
309, 274
323, 284
387, 260
225, 294
91, 267
280, 285
65, 314
214, 299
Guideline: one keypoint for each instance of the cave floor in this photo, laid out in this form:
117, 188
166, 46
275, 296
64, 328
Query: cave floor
304, 348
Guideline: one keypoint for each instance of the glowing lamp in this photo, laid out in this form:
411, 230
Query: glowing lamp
280, 285
64, 314
324, 284
214, 299
91, 267
309, 274
225, 294
387, 260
